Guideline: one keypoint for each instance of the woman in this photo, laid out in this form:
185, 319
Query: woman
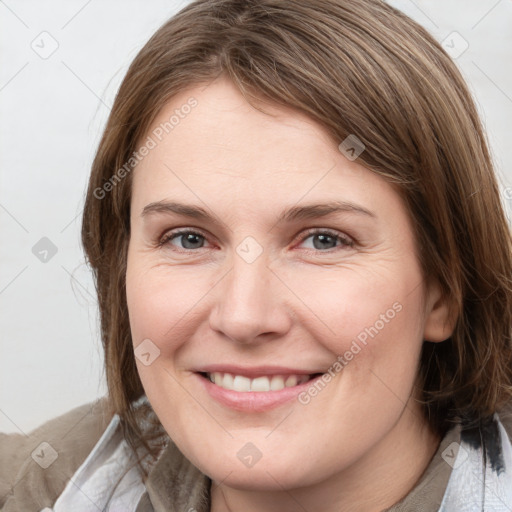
304, 278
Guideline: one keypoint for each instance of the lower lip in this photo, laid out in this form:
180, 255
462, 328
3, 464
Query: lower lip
254, 401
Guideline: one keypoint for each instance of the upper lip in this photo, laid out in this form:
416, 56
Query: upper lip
254, 371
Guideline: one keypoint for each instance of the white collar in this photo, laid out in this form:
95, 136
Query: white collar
109, 478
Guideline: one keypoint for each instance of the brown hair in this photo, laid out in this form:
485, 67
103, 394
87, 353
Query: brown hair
356, 67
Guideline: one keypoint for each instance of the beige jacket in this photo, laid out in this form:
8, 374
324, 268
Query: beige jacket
173, 485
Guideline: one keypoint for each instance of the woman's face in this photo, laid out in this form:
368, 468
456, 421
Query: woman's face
260, 257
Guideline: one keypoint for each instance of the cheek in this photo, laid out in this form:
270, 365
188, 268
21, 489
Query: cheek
372, 324
345, 305
162, 303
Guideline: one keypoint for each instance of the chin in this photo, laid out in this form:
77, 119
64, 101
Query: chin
273, 474
264, 478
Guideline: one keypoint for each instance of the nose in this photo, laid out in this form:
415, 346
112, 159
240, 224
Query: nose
250, 303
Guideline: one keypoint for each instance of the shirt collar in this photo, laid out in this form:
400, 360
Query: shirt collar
176, 485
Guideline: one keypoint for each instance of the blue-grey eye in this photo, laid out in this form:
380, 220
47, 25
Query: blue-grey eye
322, 240
191, 240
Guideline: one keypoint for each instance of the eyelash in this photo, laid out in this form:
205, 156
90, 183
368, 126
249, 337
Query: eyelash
345, 240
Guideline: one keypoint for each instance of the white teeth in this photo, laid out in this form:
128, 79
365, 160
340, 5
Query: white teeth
291, 381
260, 384
244, 384
241, 383
277, 383
228, 380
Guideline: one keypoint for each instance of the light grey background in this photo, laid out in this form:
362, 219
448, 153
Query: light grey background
52, 111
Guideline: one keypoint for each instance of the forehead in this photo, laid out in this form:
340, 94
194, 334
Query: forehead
208, 142
223, 126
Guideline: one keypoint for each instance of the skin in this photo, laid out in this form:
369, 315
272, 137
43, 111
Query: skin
362, 442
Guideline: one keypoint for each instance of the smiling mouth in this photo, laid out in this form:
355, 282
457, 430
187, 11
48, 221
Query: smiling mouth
244, 384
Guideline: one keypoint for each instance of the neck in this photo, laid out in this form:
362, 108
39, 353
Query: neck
383, 476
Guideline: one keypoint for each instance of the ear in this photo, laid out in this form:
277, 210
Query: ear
440, 315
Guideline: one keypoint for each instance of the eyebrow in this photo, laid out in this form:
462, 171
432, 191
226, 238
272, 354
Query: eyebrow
294, 213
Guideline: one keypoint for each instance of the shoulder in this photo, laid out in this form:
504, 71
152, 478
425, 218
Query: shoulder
35, 468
